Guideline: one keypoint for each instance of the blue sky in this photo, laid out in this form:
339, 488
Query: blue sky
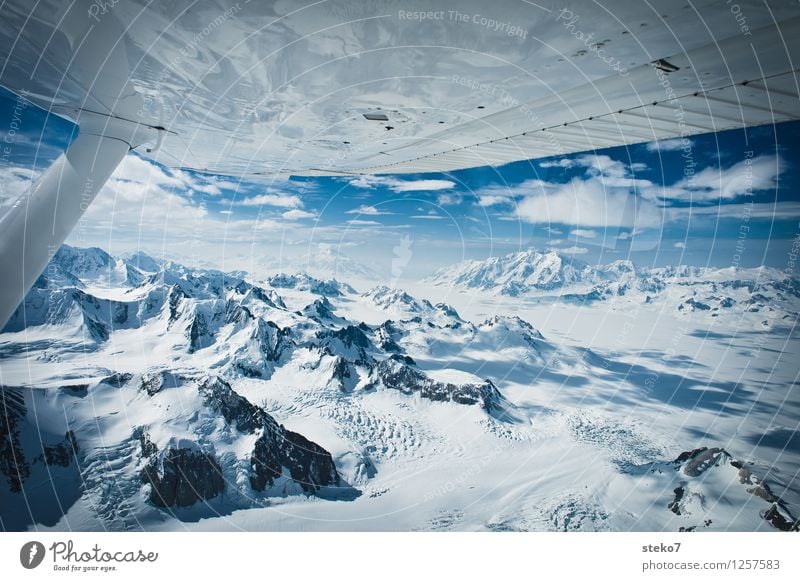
720, 199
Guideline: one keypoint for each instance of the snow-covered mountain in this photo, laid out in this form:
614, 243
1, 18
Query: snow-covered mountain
140, 393
304, 282
518, 273
535, 274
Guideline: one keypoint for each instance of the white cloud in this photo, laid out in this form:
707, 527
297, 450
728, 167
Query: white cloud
582, 233
564, 162
742, 179
209, 188
586, 203
396, 185
448, 199
603, 165
14, 181
670, 144
367, 211
679, 245
298, 215
277, 200
133, 168
363, 223
574, 250
493, 200
428, 217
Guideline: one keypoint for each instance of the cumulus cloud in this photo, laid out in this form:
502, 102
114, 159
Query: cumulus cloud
133, 168
741, 179
564, 163
679, 245
582, 233
609, 194
276, 200
448, 199
670, 144
298, 215
573, 250
367, 211
399, 186
488, 200
587, 203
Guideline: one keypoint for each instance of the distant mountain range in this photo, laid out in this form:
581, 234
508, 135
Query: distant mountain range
531, 274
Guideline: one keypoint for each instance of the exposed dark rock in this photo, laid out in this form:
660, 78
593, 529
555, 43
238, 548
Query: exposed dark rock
236, 410
319, 309
174, 298
277, 448
13, 464
146, 446
395, 373
97, 331
693, 305
351, 336
780, 521
308, 464
384, 337
342, 371
407, 359
697, 462
117, 379
200, 335
350, 342
75, 390
182, 477
60, 454
702, 460
675, 505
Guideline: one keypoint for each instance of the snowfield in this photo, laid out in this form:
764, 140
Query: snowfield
526, 392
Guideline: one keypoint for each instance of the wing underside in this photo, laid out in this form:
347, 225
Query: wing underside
338, 88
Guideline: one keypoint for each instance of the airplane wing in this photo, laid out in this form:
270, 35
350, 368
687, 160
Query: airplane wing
341, 88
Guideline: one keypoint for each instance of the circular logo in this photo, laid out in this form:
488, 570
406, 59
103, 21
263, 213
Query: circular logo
31, 554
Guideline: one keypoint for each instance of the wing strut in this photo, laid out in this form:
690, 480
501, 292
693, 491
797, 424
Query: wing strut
40, 220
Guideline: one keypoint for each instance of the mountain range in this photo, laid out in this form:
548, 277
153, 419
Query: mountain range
139, 394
